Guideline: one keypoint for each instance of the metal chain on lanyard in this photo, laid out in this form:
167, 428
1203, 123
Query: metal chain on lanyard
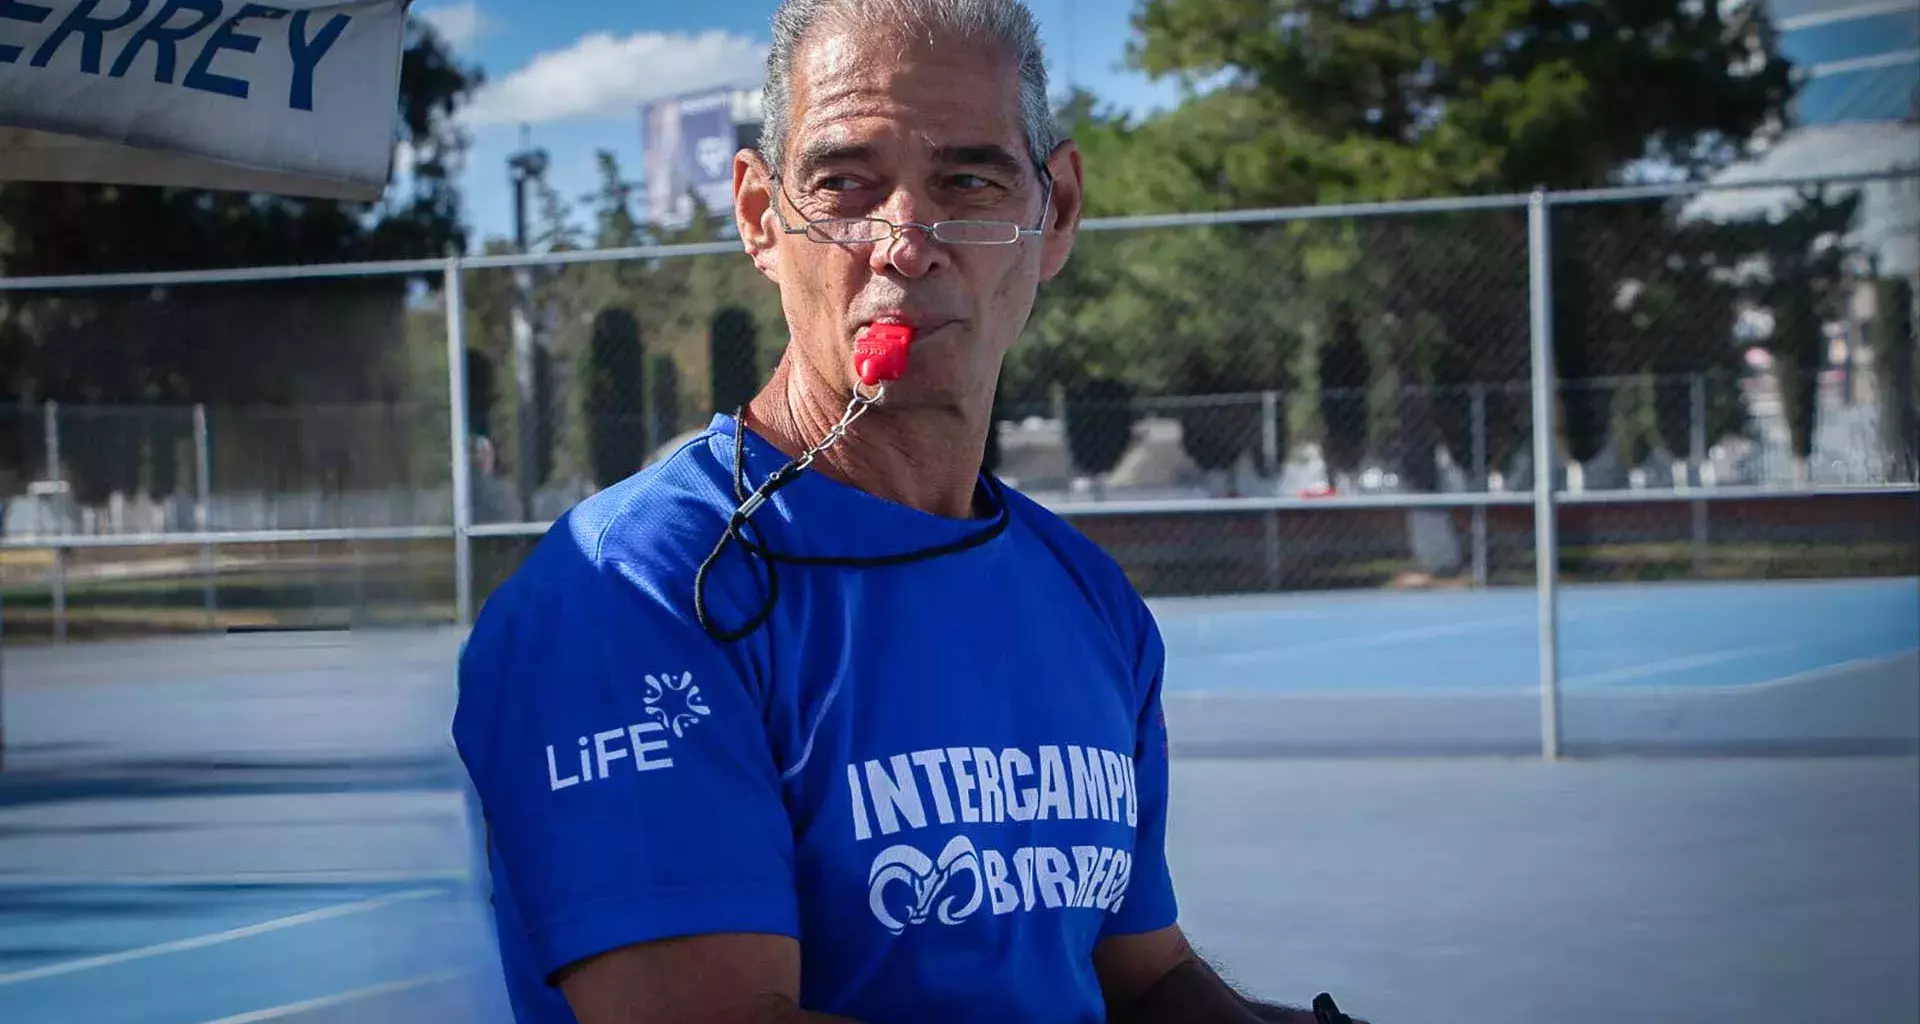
737, 523
856, 407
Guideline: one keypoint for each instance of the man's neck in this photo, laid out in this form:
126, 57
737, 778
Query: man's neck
927, 459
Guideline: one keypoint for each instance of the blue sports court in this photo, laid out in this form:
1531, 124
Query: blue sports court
259, 828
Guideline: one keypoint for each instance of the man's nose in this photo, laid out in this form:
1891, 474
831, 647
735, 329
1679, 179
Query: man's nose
912, 252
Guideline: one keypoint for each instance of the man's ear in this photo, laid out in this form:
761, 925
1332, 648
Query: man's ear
1069, 201
754, 214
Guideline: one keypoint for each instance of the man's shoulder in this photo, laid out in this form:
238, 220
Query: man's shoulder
644, 536
613, 575
1099, 575
1066, 541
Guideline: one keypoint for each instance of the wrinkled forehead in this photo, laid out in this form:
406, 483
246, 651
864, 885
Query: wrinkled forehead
902, 94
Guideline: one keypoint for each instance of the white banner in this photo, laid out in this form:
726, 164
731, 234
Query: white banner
689, 152
293, 97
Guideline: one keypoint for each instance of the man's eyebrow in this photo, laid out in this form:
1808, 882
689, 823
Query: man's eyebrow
988, 155
822, 152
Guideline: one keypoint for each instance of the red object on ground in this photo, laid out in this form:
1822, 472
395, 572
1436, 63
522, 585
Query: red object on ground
881, 353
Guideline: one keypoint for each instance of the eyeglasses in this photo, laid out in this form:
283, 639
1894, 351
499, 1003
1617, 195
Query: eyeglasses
861, 230
865, 230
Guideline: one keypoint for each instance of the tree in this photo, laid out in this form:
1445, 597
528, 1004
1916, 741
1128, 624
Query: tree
1802, 286
1315, 101
615, 225
1099, 426
1344, 370
663, 378
1353, 98
482, 392
545, 421
614, 397
1585, 401
1896, 351
734, 353
1679, 311
1214, 434
229, 344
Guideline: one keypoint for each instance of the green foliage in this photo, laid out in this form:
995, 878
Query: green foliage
546, 424
615, 225
482, 392
1099, 424
734, 359
614, 395
663, 378
1344, 371
1585, 403
1462, 95
1896, 353
1315, 101
1803, 284
255, 344
1214, 434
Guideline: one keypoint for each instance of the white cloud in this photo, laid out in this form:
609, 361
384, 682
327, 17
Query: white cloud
603, 74
460, 24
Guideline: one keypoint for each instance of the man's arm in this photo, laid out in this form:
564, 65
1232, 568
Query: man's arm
711, 979
1157, 978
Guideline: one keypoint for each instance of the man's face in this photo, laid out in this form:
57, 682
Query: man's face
887, 126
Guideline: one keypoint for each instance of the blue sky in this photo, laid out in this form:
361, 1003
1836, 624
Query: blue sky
577, 72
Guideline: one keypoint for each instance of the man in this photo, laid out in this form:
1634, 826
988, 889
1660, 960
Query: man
892, 750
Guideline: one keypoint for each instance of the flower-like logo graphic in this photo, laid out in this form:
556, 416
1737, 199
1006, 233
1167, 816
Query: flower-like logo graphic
674, 701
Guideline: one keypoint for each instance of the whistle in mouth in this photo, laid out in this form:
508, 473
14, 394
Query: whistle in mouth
881, 354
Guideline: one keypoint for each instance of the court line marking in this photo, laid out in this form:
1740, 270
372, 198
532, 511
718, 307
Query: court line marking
216, 938
1388, 639
1656, 668
1530, 691
343, 998
1396, 637
1811, 675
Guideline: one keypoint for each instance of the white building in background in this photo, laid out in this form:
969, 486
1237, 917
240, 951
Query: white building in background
1857, 112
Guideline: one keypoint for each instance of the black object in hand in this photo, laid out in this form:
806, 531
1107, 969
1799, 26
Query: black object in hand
1325, 1012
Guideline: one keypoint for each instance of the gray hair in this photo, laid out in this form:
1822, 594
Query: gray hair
1006, 24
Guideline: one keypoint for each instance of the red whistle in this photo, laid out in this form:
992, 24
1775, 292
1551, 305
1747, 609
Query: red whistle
881, 353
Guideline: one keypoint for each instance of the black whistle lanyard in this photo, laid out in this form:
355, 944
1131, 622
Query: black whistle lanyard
749, 503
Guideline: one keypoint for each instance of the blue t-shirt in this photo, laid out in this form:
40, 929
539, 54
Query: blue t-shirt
946, 779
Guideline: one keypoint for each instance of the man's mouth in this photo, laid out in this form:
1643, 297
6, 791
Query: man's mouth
920, 326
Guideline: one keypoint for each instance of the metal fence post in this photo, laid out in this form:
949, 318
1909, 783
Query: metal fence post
1545, 535
58, 583
1479, 410
203, 512
461, 445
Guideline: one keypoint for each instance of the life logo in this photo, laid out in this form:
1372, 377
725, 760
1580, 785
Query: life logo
672, 704
674, 701
905, 880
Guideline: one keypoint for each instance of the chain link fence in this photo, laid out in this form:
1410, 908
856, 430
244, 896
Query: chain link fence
316, 464
1260, 401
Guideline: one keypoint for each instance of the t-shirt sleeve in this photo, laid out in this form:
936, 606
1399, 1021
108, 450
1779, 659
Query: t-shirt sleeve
1149, 904
621, 764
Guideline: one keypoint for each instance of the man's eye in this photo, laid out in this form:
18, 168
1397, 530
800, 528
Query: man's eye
969, 182
836, 183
